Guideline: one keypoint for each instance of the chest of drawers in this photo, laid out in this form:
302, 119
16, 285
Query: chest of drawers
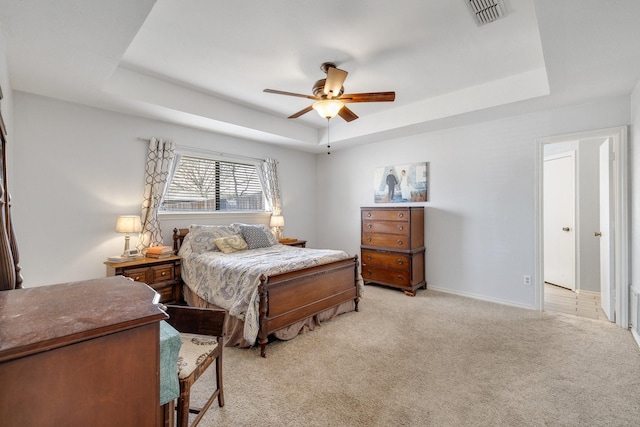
392, 247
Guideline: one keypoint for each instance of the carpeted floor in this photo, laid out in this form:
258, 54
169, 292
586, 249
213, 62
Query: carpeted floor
435, 360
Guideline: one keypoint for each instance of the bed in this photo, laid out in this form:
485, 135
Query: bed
269, 289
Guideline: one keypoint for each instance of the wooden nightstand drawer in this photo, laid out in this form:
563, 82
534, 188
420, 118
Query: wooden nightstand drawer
162, 273
137, 274
166, 291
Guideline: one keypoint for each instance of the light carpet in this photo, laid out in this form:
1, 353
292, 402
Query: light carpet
435, 360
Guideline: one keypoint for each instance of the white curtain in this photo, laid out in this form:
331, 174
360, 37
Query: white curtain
272, 189
159, 165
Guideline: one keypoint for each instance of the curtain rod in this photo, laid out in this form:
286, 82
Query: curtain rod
205, 151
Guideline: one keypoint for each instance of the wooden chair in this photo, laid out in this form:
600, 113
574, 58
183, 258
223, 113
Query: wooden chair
201, 330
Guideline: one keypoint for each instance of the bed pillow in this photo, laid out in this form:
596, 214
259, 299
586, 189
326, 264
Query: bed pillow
257, 236
203, 236
231, 244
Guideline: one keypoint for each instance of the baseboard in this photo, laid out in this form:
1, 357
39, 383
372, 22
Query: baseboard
481, 297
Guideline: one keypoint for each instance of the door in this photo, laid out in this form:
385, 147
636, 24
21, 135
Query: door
607, 291
559, 220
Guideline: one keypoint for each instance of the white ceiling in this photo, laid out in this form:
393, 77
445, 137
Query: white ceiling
204, 63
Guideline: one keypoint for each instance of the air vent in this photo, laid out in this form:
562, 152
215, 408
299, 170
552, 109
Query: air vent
487, 11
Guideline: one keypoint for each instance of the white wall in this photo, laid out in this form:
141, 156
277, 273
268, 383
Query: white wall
77, 168
480, 220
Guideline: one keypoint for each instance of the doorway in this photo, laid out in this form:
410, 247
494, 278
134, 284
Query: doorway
584, 233
559, 218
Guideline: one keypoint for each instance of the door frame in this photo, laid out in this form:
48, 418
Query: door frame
618, 137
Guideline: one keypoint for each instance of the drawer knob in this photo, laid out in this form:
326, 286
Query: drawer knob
369, 225
137, 278
399, 242
368, 257
400, 227
401, 215
400, 262
369, 214
399, 277
164, 273
368, 239
369, 272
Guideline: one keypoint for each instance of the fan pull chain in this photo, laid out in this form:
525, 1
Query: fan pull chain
328, 140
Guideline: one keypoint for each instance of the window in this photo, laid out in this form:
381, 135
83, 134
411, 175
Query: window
201, 184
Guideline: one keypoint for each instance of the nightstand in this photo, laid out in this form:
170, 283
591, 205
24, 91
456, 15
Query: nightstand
163, 275
298, 243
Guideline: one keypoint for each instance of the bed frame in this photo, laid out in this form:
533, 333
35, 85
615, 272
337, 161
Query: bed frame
293, 296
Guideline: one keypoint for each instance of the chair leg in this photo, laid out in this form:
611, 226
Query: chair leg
182, 410
219, 380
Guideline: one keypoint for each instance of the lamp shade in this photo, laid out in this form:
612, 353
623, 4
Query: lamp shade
276, 221
128, 224
328, 108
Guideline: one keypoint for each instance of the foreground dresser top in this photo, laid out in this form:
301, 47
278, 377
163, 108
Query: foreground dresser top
43, 318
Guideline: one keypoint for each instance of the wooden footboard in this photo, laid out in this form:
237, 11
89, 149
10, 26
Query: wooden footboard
287, 298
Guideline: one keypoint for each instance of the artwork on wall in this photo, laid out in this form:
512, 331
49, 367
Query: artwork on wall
401, 183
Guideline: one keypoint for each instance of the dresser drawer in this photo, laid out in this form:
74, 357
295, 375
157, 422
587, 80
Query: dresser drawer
386, 276
386, 227
137, 274
390, 241
386, 215
385, 259
162, 273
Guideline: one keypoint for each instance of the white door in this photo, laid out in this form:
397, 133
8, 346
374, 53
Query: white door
559, 220
607, 296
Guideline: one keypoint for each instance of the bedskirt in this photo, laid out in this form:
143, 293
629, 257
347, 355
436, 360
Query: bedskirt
235, 327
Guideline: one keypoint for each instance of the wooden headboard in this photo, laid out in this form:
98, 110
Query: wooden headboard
178, 237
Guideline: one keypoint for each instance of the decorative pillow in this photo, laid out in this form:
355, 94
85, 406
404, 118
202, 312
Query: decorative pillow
267, 230
231, 244
203, 236
257, 236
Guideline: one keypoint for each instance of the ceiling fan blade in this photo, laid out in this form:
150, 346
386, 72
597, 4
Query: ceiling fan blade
369, 97
335, 79
280, 92
347, 114
301, 112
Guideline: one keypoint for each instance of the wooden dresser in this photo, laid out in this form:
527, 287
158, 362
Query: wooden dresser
80, 354
392, 245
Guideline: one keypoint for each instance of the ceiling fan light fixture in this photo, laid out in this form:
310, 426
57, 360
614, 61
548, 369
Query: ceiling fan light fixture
328, 108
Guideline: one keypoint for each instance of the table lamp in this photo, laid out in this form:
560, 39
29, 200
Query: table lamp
128, 224
277, 222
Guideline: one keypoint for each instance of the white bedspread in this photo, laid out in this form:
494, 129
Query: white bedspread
231, 280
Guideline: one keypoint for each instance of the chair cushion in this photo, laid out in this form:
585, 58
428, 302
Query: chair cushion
194, 350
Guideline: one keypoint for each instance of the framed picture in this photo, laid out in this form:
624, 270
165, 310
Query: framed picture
402, 183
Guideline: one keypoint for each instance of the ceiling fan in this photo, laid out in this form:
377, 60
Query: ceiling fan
330, 97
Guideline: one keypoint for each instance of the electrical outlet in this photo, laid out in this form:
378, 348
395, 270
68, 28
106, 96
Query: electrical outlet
527, 280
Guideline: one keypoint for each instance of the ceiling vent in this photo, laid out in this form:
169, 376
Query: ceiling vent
487, 11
